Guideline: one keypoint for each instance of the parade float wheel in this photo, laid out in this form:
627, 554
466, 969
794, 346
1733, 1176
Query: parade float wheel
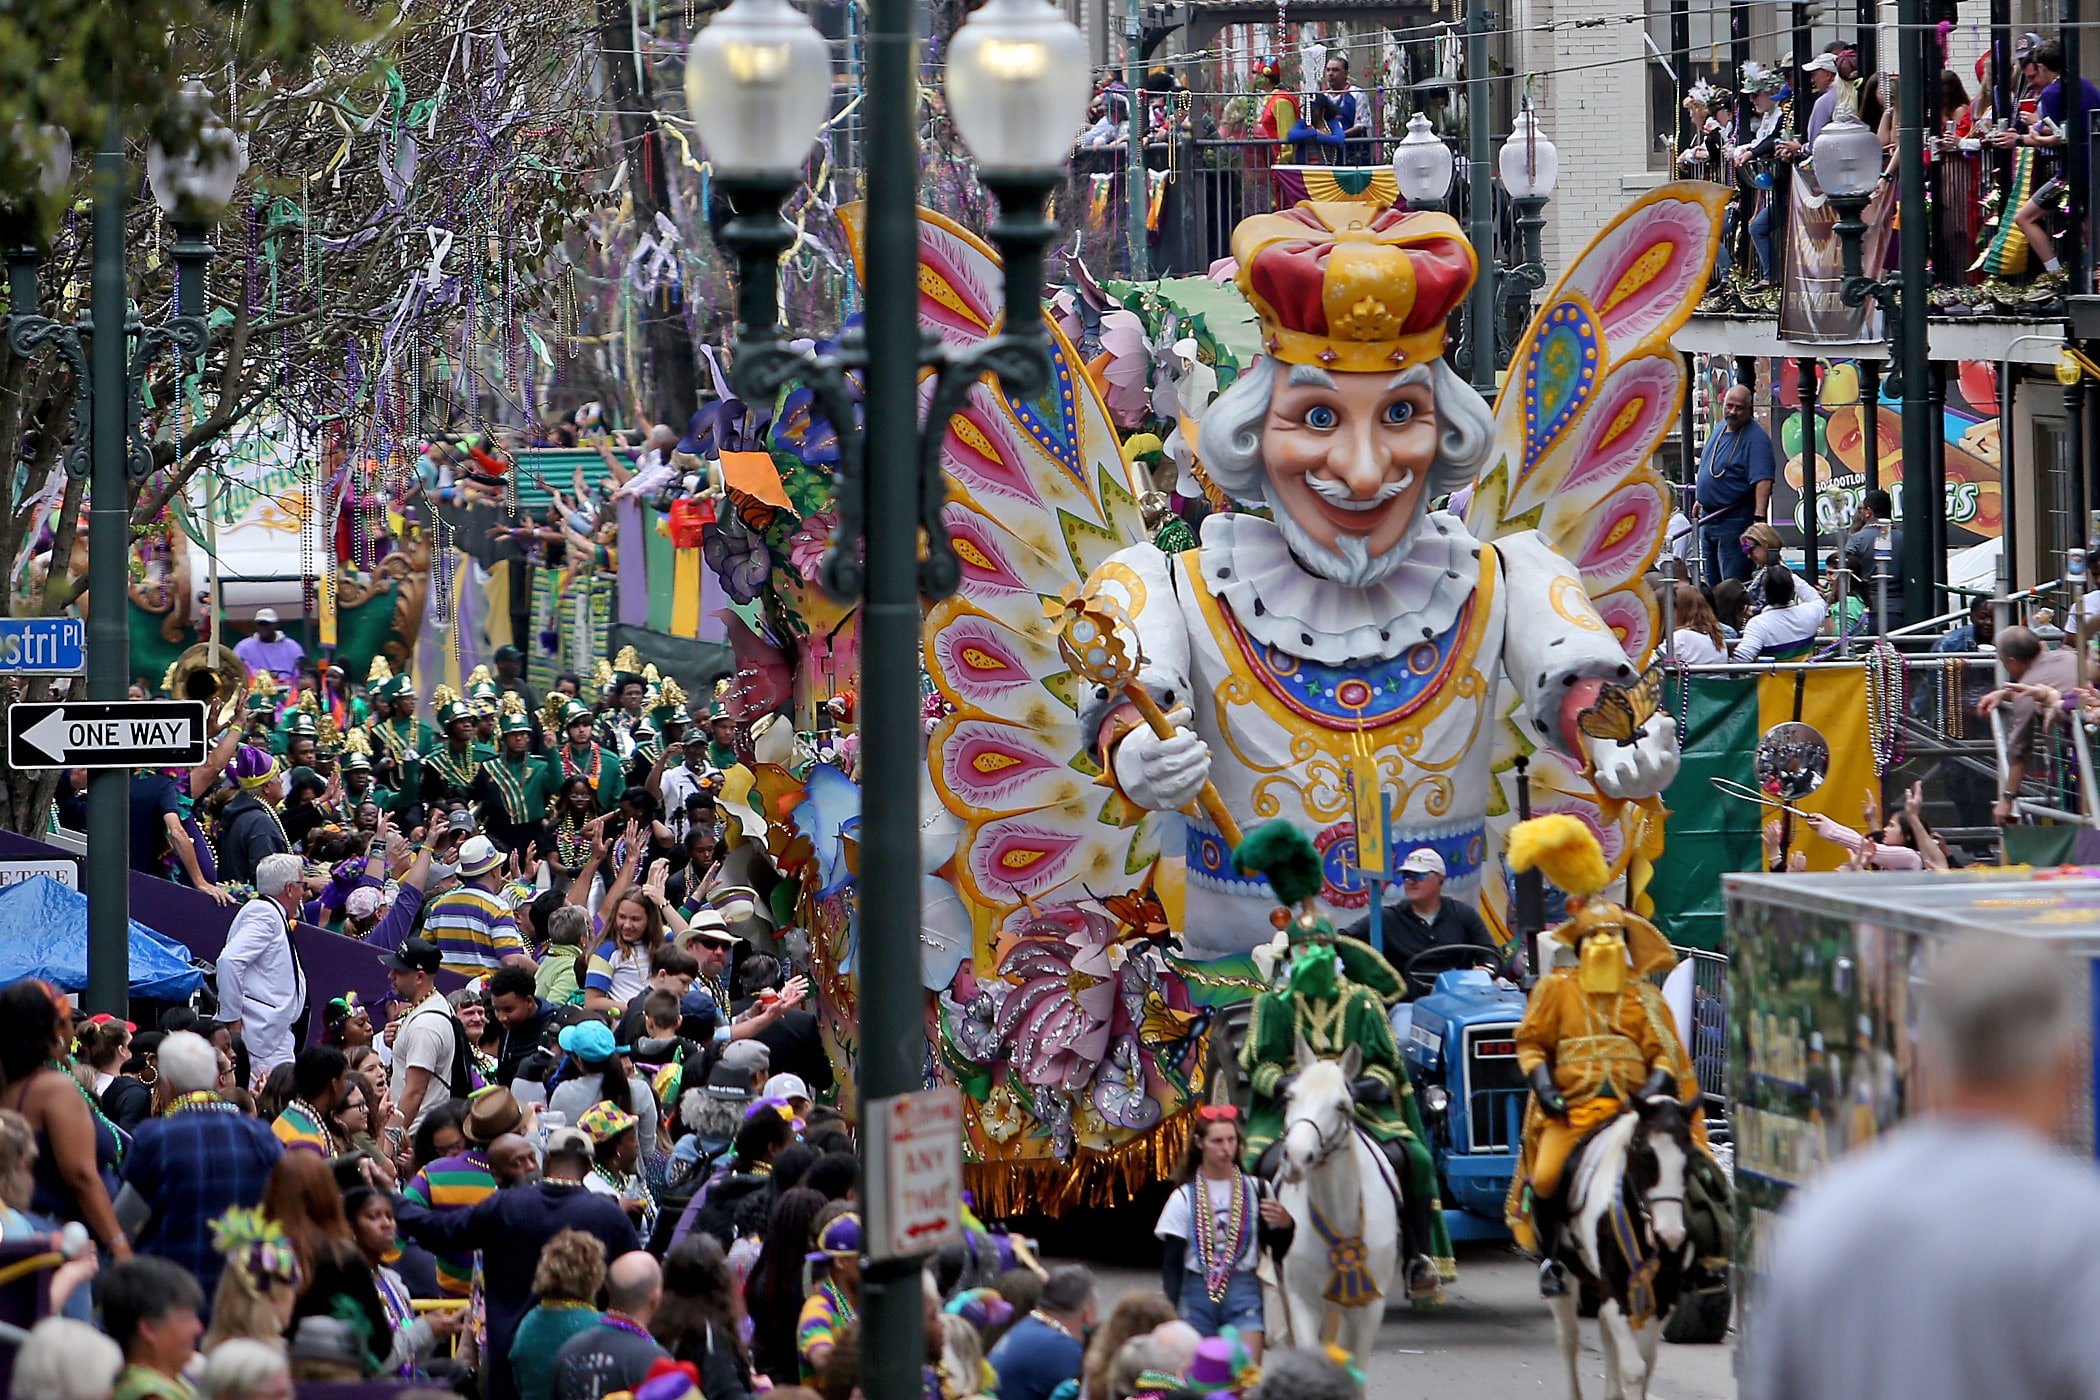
1227, 1034
1700, 1318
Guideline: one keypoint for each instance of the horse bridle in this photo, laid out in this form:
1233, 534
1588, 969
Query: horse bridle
1328, 1147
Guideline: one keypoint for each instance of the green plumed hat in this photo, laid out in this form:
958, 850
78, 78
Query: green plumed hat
1284, 854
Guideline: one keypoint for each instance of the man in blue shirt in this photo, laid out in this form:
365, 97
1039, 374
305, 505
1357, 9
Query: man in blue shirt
1046, 1348
200, 1158
1735, 487
2051, 131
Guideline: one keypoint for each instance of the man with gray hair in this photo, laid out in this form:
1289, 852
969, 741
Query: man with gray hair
262, 985
1957, 1256
195, 1159
1352, 634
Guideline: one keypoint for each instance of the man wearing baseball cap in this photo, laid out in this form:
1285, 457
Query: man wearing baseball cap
270, 650
1821, 73
1424, 919
429, 1049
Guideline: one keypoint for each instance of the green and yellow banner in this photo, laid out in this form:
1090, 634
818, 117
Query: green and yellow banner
1710, 834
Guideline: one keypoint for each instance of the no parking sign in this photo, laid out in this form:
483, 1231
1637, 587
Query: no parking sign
915, 1197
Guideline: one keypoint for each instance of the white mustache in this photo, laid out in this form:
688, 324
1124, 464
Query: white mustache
1341, 498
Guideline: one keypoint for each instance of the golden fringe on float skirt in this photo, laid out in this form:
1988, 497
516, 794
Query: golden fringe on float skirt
1047, 1186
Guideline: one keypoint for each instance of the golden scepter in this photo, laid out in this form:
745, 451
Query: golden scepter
1091, 633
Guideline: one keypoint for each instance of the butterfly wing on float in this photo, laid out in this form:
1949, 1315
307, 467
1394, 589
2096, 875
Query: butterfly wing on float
1592, 389
1039, 495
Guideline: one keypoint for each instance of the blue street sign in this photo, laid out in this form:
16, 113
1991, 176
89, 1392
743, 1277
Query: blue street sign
43, 646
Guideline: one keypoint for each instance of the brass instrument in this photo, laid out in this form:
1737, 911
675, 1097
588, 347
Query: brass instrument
222, 688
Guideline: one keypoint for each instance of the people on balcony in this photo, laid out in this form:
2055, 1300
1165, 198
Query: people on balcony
1279, 111
2046, 131
1754, 159
1351, 106
1317, 137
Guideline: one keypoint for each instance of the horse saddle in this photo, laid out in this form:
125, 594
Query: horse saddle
1605, 1145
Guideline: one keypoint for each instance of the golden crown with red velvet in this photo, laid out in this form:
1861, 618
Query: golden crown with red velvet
1347, 288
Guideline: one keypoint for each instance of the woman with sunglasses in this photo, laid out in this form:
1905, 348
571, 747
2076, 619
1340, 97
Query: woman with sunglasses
1214, 1228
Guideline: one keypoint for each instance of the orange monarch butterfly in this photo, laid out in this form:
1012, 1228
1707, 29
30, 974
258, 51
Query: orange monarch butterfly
1622, 713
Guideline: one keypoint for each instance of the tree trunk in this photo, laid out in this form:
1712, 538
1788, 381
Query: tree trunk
673, 367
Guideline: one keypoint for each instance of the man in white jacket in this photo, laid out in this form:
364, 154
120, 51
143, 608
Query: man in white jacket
261, 983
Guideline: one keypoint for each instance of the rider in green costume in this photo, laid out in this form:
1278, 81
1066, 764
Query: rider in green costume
1334, 996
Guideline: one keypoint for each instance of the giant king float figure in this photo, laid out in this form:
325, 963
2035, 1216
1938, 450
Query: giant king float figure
1336, 624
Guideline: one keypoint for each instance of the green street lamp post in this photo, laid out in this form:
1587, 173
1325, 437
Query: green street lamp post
758, 84
1530, 167
1848, 161
110, 449
1422, 166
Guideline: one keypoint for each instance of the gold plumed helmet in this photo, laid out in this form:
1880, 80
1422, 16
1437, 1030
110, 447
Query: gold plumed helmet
551, 712
511, 718
1568, 853
450, 708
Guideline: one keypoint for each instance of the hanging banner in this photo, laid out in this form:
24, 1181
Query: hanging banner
1812, 309
1374, 185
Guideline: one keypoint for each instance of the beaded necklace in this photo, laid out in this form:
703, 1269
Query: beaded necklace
199, 1101
451, 770
314, 1116
572, 847
622, 1322
570, 768
1885, 705
1040, 1316
841, 1308
1220, 1263
89, 1099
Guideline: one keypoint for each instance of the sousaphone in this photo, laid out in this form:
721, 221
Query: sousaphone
220, 687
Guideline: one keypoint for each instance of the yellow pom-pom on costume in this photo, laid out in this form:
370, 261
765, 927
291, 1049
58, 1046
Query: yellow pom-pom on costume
1564, 848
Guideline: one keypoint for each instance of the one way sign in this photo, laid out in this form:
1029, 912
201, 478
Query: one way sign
107, 734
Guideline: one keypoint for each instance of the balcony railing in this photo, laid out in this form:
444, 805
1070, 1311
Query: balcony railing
1199, 189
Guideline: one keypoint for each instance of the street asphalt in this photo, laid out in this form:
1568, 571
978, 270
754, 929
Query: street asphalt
1493, 1338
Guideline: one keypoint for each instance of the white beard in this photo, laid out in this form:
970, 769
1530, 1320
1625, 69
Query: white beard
1351, 564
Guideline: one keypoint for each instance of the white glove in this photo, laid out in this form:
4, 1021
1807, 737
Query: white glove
1163, 775
1640, 769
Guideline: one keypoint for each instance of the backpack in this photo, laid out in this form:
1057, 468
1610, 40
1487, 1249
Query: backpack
461, 1079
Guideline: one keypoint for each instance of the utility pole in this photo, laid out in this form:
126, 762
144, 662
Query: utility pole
1480, 202
109, 538
1920, 510
1140, 192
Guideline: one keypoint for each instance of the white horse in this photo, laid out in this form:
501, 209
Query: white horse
1623, 1233
1339, 1190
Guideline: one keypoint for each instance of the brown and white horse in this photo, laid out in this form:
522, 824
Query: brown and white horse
1622, 1232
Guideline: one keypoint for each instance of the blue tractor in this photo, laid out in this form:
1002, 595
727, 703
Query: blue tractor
1459, 1039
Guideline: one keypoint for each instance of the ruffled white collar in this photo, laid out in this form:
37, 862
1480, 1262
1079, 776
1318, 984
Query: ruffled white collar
1281, 604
